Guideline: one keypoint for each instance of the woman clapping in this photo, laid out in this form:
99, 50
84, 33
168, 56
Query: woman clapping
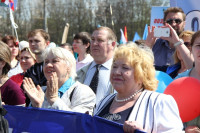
62, 92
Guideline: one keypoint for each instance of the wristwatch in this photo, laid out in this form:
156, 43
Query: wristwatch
178, 43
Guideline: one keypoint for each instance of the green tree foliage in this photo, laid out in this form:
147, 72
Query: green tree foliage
82, 15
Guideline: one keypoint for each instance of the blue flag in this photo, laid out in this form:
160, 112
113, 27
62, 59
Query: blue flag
136, 37
145, 34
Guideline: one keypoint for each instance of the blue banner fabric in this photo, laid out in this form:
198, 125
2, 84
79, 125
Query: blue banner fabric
35, 120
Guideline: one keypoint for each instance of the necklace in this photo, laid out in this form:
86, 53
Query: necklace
127, 99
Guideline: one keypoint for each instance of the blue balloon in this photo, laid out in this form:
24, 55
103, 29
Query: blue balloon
98, 25
164, 80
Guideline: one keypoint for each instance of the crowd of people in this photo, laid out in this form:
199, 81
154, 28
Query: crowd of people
116, 82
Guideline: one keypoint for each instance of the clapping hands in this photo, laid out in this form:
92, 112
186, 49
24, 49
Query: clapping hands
35, 94
52, 88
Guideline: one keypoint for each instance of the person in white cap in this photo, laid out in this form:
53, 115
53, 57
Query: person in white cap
26, 58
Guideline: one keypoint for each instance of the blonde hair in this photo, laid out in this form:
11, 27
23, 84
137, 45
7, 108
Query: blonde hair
64, 54
186, 33
5, 55
28, 50
142, 61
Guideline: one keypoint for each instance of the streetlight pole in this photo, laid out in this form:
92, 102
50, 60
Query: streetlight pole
45, 17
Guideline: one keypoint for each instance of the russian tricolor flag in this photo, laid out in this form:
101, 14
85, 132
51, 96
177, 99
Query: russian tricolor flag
12, 3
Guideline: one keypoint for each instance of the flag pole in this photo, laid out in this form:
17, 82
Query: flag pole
111, 17
14, 25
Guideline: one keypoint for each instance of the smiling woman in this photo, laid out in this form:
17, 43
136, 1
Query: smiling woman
62, 92
26, 58
135, 104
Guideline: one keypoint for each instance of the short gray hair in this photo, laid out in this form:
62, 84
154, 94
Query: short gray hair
66, 56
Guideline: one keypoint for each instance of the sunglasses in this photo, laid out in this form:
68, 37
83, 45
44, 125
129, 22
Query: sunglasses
177, 21
187, 44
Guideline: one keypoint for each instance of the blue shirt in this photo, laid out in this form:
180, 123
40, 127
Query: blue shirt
65, 86
104, 79
184, 74
163, 54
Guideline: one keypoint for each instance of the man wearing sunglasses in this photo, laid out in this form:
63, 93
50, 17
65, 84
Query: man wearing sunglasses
176, 18
163, 49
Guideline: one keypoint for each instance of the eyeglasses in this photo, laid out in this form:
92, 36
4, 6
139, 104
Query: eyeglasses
177, 21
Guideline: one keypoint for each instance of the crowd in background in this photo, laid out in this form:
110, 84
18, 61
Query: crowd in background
116, 82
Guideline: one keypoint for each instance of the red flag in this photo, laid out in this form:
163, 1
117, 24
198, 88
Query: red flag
3, 0
125, 33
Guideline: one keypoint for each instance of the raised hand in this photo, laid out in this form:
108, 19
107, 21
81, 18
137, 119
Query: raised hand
52, 88
173, 35
36, 95
150, 41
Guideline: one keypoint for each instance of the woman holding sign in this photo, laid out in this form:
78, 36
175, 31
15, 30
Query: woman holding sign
135, 104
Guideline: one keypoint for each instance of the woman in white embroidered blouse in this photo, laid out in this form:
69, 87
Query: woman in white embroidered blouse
135, 104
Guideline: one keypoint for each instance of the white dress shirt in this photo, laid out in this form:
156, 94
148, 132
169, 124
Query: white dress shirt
104, 79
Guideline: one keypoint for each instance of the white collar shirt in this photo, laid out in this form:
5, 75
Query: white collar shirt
104, 79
